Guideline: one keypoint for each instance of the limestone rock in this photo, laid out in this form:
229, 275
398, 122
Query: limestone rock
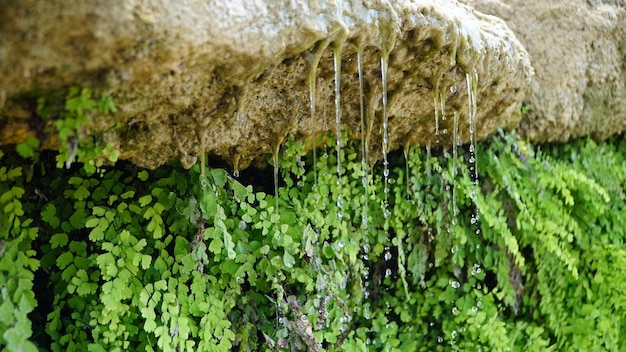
231, 77
578, 51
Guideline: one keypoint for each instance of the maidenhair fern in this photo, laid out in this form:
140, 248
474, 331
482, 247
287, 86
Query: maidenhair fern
528, 258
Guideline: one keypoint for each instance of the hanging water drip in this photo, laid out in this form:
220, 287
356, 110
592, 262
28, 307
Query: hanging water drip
388, 41
364, 149
325, 120
241, 99
453, 51
429, 172
314, 60
407, 179
383, 64
436, 98
442, 101
472, 84
455, 145
275, 152
236, 158
337, 48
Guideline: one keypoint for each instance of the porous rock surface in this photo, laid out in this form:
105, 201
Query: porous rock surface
231, 77
578, 51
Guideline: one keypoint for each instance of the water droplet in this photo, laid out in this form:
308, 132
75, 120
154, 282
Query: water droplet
431, 324
479, 303
454, 284
239, 279
474, 309
387, 214
479, 286
340, 201
455, 310
242, 225
454, 249
340, 214
391, 181
473, 220
388, 256
439, 339
453, 89
236, 173
366, 248
341, 244
445, 131
454, 333
388, 272
386, 172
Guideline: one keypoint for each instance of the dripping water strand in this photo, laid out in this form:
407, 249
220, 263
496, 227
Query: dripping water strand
337, 65
383, 65
314, 60
364, 152
406, 171
388, 37
455, 145
472, 79
236, 159
442, 109
275, 152
429, 173
436, 105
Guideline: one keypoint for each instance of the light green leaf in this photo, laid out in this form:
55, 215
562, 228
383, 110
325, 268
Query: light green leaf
145, 261
145, 200
65, 259
143, 175
58, 240
288, 260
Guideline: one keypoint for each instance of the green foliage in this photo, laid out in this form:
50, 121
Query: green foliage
17, 264
526, 258
71, 123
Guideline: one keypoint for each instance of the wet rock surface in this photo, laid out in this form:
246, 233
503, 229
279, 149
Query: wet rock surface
578, 51
231, 77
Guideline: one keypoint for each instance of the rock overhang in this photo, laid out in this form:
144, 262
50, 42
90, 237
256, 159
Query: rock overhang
231, 78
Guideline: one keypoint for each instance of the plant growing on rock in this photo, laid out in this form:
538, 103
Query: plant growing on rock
196, 260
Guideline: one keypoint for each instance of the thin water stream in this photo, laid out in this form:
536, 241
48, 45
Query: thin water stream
275, 152
384, 60
314, 60
364, 149
472, 82
338, 46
